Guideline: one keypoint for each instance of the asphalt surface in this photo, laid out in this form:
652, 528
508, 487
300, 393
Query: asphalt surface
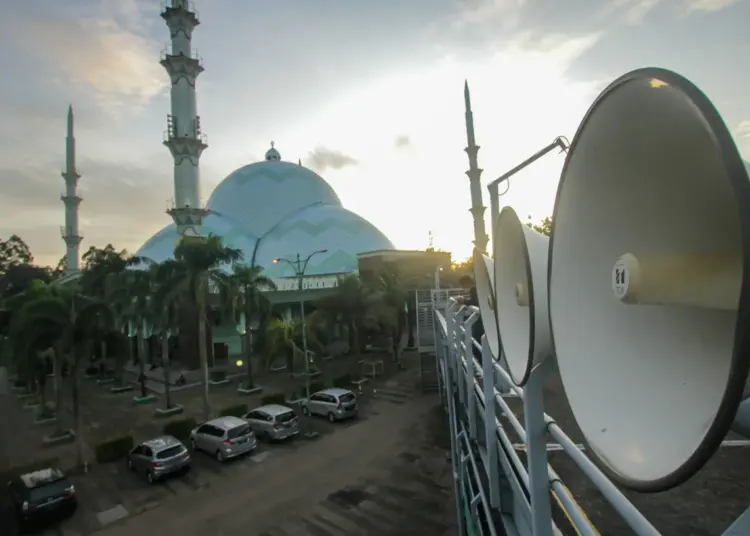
385, 473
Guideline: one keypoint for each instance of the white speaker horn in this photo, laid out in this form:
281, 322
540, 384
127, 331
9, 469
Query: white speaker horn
484, 281
521, 294
649, 301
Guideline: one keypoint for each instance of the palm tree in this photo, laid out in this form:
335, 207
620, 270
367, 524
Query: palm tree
246, 296
165, 306
394, 296
140, 288
70, 319
198, 271
283, 338
105, 276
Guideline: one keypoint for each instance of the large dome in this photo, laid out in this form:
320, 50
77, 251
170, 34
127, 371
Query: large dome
260, 194
343, 233
160, 247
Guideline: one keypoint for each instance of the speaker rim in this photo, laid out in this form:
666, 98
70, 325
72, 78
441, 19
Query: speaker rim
530, 291
490, 277
740, 361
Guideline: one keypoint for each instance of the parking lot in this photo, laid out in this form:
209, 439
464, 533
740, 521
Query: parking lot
384, 473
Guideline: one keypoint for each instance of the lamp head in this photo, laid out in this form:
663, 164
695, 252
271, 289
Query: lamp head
276, 260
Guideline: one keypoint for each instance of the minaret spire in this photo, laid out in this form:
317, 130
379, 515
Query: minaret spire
71, 201
183, 137
474, 173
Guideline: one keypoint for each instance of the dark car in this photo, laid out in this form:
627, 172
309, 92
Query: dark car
42, 497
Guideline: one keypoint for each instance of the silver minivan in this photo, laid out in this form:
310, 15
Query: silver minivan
273, 421
334, 403
224, 438
158, 457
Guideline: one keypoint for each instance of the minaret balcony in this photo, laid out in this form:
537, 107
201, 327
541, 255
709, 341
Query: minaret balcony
70, 199
69, 237
171, 9
181, 65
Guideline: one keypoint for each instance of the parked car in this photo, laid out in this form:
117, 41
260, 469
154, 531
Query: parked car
42, 497
273, 421
224, 438
334, 403
159, 457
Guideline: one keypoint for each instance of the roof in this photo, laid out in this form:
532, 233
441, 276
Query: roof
336, 391
342, 233
273, 409
227, 422
162, 442
41, 477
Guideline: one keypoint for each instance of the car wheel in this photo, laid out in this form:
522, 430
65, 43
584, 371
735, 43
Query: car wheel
331, 417
219, 456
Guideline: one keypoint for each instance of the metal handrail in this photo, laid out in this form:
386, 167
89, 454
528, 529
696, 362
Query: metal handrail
458, 357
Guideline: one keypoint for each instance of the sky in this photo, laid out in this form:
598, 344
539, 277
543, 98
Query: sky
368, 94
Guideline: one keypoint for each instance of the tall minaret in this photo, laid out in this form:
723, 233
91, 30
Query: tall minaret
474, 173
71, 200
183, 137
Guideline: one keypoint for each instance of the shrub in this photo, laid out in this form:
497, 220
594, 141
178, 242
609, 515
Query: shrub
273, 398
218, 375
91, 370
344, 381
238, 410
180, 428
47, 411
113, 449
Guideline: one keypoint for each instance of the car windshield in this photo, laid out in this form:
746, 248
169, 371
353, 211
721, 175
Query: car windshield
239, 431
49, 490
168, 453
286, 417
348, 397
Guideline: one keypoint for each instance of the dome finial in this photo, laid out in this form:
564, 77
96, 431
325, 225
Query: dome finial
272, 154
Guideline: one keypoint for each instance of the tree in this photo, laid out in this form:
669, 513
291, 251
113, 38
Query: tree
14, 251
247, 284
70, 319
544, 227
199, 271
393, 296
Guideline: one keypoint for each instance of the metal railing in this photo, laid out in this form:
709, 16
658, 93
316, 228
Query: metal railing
497, 492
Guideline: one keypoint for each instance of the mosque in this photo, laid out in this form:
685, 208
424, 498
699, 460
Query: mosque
269, 210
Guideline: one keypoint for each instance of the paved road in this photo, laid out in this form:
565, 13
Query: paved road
384, 475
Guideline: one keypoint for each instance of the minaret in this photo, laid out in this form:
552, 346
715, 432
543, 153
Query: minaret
183, 137
71, 200
474, 173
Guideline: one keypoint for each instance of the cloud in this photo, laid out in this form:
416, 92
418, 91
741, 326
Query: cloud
321, 159
708, 6
402, 142
743, 130
123, 204
630, 11
108, 56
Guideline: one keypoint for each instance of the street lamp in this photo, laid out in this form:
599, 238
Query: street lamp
299, 266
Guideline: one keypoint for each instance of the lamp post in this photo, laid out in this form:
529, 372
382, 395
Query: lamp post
299, 266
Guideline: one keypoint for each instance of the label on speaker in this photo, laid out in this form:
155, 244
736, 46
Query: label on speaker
620, 278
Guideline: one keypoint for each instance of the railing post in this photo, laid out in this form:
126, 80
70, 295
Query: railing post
455, 452
490, 431
470, 395
536, 450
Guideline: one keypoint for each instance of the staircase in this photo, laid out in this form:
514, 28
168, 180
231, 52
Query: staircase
428, 373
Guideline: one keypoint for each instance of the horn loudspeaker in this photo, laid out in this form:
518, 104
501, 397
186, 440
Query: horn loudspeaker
484, 279
649, 301
521, 294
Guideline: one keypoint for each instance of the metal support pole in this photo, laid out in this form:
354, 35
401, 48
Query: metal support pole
493, 465
536, 451
300, 276
494, 209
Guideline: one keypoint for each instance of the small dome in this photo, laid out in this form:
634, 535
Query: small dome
272, 155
